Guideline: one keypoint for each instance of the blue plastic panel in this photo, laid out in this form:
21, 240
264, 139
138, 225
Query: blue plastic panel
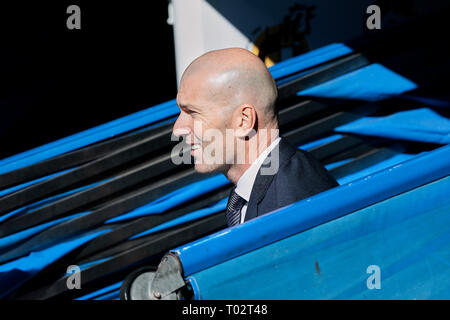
38, 204
319, 142
422, 124
90, 136
191, 216
7, 191
16, 272
371, 83
320, 208
174, 198
309, 59
429, 101
104, 293
24, 234
385, 164
407, 237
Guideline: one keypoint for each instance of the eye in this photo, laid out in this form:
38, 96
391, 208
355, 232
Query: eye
192, 113
186, 110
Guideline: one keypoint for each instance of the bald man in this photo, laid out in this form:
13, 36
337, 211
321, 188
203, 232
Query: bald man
228, 117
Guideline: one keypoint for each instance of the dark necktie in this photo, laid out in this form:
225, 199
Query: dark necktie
234, 206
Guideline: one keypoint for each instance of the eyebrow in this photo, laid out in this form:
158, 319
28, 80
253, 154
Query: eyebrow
187, 107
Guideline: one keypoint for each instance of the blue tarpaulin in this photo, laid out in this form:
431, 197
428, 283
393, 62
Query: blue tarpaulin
424, 125
371, 83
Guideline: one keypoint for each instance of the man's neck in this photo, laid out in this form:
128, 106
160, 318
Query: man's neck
236, 171
253, 150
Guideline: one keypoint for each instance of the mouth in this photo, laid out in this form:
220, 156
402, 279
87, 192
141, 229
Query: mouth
194, 148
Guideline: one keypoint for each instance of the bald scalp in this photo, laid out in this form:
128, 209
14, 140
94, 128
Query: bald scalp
233, 77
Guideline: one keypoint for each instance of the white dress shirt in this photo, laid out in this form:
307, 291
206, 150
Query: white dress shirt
245, 184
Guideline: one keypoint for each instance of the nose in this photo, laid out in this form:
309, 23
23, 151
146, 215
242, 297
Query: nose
182, 125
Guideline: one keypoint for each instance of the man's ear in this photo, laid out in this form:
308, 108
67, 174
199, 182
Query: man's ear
245, 119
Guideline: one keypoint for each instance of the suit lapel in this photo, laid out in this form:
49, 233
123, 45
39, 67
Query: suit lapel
262, 182
259, 190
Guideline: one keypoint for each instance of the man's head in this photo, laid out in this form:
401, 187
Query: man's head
224, 89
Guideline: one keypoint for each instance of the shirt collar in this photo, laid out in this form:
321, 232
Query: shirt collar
245, 183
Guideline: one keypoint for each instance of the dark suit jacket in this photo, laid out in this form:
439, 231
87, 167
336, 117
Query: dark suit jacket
299, 176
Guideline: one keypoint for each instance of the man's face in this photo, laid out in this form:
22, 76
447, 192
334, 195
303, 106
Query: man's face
203, 123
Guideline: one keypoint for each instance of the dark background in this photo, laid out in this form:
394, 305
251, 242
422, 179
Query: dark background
56, 81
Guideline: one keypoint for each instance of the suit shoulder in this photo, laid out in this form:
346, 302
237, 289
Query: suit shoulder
304, 174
